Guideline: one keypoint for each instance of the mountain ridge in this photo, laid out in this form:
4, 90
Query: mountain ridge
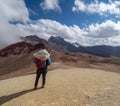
59, 44
101, 50
17, 58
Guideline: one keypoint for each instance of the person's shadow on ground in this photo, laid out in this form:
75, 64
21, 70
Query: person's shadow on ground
7, 98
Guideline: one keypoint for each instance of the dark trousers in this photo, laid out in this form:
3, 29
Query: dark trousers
40, 71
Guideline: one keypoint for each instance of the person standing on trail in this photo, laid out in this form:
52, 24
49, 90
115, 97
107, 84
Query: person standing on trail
42, 60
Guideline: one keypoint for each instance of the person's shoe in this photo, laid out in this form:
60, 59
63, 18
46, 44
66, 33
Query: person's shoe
35, 88
42, 86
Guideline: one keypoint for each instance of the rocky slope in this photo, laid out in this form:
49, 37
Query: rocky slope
17, 59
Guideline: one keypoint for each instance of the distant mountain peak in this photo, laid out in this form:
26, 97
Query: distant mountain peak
52, 38
33, 39
64, 44
76, 44
30, 37
19, 48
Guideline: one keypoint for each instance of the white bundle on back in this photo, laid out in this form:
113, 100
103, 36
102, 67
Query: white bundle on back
42, 54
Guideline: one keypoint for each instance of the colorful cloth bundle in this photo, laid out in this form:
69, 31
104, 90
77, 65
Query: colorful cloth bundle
42, 54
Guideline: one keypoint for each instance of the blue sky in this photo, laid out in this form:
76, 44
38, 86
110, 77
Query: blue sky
66, 15
87, 22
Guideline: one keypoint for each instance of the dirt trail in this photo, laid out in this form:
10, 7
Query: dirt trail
64, 87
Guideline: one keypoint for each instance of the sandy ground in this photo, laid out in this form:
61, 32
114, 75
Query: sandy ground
64, 87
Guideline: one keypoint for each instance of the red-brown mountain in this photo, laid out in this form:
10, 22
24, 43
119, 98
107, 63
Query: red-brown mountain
17, 59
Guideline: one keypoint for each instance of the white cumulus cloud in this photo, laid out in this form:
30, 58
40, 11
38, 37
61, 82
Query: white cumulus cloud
11, 10
50, 5
106, 33
110, 8
104, 30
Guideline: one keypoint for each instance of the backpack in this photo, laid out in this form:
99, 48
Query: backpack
48, 62
40, 63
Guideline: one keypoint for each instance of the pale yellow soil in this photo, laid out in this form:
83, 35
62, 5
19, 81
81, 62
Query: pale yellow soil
64, 87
